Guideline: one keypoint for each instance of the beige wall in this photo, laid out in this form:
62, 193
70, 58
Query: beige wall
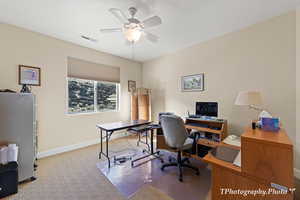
56, 128
261, 57
298, 91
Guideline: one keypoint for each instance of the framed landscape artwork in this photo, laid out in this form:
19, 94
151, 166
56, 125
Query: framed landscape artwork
131, 86
29, 75
192, 83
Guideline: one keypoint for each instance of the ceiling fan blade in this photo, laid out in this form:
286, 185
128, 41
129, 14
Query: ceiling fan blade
151, 37
119, 15
152, 21
110, 30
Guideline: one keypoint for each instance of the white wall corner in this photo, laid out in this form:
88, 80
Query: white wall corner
73, 147
297, 173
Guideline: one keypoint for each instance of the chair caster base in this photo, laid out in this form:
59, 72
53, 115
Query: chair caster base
180, 163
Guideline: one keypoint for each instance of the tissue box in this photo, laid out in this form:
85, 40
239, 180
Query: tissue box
270, 124
8, 179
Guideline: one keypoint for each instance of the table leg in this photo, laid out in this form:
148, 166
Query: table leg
101, 147
107, 136
152, 153
151, 138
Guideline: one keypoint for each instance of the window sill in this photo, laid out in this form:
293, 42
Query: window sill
92, 113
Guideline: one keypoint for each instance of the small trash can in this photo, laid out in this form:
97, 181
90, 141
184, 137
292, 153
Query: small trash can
8, 179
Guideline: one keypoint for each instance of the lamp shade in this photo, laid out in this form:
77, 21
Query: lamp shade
132, 32
248, 98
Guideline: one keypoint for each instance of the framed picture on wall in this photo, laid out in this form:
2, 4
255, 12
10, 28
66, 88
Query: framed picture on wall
192, 83
29, 75
131, 86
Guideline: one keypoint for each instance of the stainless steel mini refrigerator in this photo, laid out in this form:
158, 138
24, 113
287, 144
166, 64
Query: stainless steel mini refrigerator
18, 125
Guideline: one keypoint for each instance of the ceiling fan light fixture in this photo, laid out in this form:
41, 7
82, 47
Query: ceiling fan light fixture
133, 29
132, 33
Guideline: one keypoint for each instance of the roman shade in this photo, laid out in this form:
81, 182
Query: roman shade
92, 71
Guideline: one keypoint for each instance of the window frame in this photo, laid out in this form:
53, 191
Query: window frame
96, 111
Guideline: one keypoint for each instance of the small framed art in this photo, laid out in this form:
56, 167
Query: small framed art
29, 75
192, 83
131, 86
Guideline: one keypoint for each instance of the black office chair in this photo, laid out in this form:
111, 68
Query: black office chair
176, 137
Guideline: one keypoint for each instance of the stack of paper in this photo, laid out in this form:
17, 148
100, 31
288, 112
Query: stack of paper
3, 155
237, 160
233, 140
12, 153
8, 154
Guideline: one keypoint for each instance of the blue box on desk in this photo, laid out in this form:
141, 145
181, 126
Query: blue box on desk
270, 124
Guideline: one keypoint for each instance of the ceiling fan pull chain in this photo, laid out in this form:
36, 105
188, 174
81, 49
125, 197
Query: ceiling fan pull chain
132, 50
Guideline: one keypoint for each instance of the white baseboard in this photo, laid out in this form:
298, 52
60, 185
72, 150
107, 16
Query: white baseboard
297, 173
73, 147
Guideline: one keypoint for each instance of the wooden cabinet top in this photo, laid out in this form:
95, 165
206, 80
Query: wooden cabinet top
279, 138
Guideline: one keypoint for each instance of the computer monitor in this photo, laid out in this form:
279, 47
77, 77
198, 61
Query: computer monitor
209, 109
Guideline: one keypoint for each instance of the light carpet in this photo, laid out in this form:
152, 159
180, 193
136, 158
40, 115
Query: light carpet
149, 193
73, 176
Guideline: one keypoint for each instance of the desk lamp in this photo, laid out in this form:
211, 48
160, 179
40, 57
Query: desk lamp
253, 100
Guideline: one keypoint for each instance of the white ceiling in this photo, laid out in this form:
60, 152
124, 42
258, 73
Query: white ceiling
185, 22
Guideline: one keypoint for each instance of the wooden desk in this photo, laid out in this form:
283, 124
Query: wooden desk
267, 158
215, 127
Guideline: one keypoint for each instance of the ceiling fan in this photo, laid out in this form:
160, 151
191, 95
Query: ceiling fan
133, 28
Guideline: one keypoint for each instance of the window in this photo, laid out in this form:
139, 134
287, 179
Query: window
86, 96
